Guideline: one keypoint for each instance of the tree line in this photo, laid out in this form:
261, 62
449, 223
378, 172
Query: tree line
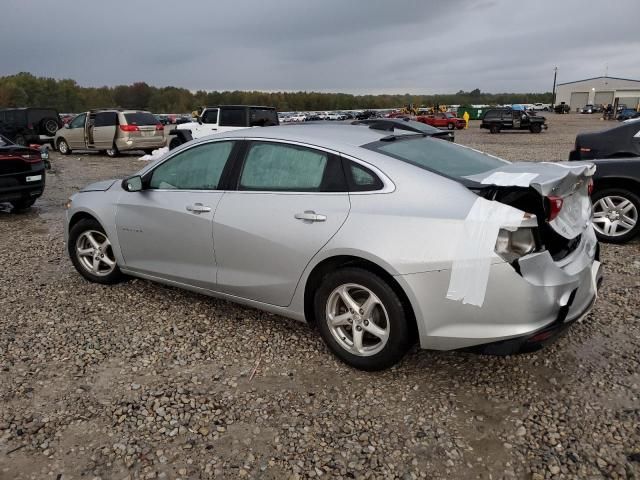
27, 90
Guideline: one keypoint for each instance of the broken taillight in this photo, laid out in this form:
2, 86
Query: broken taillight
555, 205
129, 128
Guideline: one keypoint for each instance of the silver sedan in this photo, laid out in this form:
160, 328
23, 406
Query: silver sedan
377, 234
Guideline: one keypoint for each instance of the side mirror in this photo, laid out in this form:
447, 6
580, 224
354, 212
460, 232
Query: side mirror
132, 184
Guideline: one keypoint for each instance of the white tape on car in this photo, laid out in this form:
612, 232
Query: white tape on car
156, 154
475, 248
510, 179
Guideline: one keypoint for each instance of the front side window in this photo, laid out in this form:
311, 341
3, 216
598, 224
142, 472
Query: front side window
233, 117
199, 168
210, 116
432, 154
78, 122
274, 166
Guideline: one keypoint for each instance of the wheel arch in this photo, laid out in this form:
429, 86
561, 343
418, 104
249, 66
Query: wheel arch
617, 182
322, 268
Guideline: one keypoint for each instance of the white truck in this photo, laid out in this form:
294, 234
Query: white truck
223, 118
540, 107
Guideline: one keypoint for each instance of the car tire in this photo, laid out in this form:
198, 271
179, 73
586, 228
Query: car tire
63, 147
23, 204
620, 202
451, 126
535, 128
90, 258
387, 319
21, 140
174, 143
112, 152
48, 126
494, 129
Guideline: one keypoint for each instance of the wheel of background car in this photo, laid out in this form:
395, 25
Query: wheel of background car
20, 140
361, 319
48, 126
92, 254
495, 129
615, 214
451, 126
22, 204
63, 147
112, 152
535, 128
174, 143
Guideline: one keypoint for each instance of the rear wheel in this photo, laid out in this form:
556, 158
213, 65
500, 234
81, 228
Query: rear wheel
361, 319
91, 253
112, 152
535, 128
63, 147
495, 129
615, 214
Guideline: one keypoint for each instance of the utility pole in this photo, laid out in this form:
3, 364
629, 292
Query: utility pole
553, 98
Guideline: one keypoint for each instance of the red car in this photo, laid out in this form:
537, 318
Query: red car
442, 120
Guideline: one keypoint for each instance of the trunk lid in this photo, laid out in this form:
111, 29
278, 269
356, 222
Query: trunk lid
534, 188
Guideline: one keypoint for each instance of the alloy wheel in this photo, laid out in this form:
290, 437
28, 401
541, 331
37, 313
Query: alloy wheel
357, 319
95, 254
614, 216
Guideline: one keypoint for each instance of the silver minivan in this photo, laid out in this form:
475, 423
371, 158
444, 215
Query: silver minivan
111, 131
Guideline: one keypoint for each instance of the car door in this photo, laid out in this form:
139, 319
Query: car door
517, 115
290, 200
166, 229
104, 129
75, 134
208, 124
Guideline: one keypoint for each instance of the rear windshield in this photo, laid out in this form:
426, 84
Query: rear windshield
438, 156
140, 118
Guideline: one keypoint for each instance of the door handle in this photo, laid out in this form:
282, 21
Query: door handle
310, 216
198, 208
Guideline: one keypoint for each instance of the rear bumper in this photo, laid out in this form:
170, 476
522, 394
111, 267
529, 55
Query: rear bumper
520, 302
141, 143
17, 187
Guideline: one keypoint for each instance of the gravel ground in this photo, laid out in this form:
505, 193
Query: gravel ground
145, 381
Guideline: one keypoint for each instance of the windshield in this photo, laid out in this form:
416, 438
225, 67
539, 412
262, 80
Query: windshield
140, 118
438, 156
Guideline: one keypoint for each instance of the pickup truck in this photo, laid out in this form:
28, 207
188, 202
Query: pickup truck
223, 118
540, 107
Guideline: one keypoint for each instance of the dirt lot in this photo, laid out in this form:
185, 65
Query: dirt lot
145, 381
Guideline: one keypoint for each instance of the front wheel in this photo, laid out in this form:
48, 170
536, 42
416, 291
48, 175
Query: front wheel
92, 254
535, 128
174, 143
615, 215
63, 147
451, 126
495, 129
361, 319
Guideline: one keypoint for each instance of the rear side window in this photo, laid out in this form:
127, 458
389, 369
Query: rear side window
140, 118
106, 119
361, 179
492, 115
210, 116
199, 168
279, 167
262, 117
233, 117
507, 115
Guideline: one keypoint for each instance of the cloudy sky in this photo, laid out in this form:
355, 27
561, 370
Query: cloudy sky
355, 46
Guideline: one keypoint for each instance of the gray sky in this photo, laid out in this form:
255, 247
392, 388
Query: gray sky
354, 46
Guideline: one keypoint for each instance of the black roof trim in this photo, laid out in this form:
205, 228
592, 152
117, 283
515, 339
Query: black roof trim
389, 125
596, 78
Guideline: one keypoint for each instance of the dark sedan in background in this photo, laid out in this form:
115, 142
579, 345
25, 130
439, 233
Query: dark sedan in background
22, 173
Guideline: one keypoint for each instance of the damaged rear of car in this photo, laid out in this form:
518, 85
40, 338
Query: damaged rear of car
524, 261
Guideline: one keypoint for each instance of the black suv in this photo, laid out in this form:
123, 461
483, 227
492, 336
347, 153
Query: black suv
507, 119
29, 125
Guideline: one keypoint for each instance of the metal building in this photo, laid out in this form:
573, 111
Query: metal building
599, 91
